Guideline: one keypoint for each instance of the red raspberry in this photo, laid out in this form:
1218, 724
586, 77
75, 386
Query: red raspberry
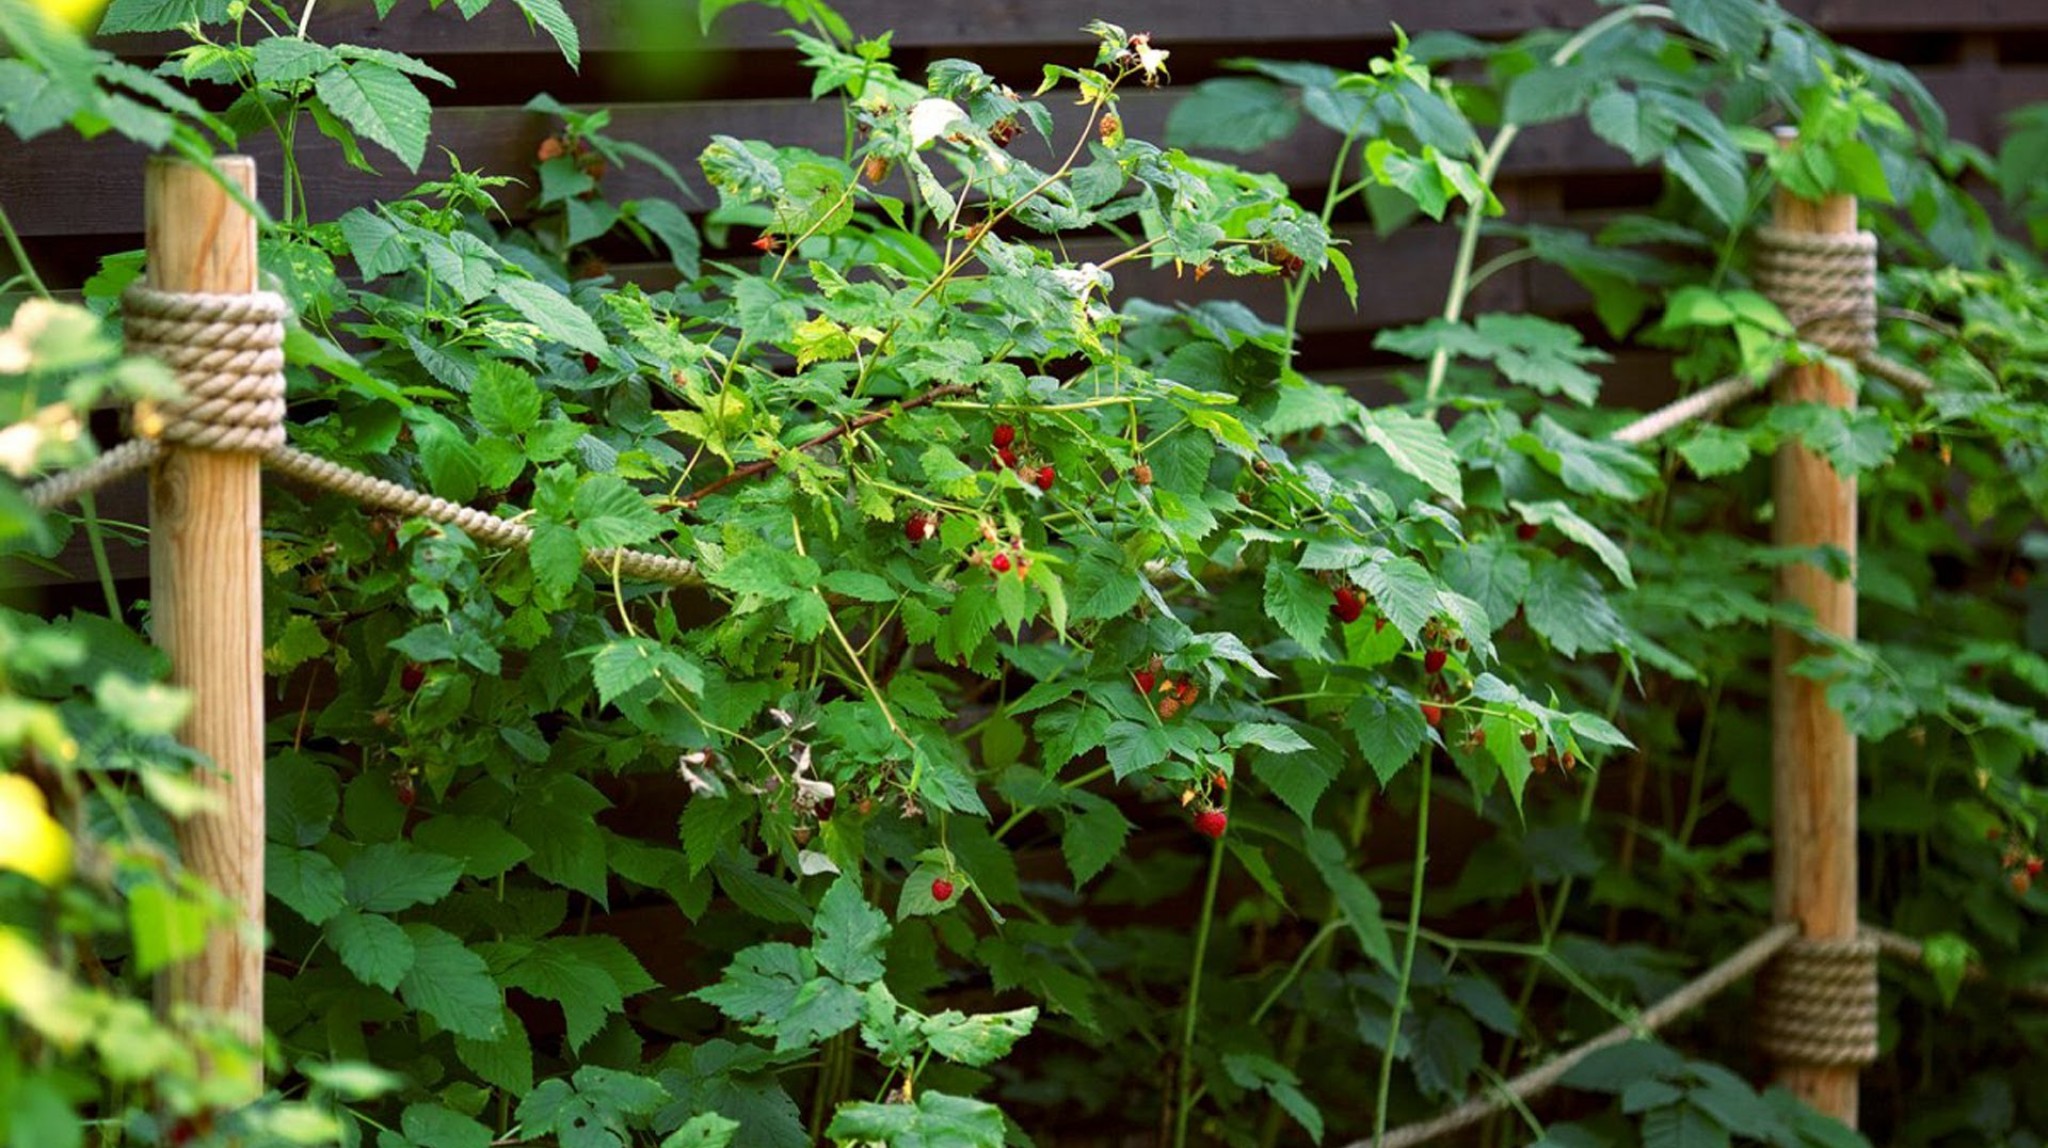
1145, 680
1348, 605
1433, 661
1004, 436
942, 890
920, 528
1046, 477
412, 677
1432, 714
1211, 823
1000, 564
2033, 866
1007, 457
1528, 531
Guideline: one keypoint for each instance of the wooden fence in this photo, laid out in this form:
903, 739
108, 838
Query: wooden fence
77, 201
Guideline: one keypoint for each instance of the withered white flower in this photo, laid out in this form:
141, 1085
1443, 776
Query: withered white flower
930, 119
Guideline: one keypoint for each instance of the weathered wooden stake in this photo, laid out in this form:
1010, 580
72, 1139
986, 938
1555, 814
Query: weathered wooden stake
206, 595
1813, 756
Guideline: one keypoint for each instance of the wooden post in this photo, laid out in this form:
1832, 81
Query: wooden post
206, 597
1813, 756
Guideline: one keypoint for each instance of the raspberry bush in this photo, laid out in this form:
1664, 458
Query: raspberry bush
1071, 677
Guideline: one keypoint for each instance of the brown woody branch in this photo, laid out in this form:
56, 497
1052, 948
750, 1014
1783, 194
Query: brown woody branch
869, 419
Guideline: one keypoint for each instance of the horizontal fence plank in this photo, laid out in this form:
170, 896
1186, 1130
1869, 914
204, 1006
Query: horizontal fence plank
957, 25
61, 185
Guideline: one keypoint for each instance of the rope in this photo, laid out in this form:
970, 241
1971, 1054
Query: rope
481, 525
1897, 374
1701, 404
227, 352
1709, 984
1780, 941
1817, 1003
1825, 284
1906, 949
115, 464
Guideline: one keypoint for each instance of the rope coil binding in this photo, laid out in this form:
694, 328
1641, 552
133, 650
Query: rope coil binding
227, 352
1825, 284
1817, 1003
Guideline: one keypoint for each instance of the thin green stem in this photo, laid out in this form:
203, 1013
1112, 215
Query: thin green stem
1415, 883
20, 253
95, 538
1461, 269
1697, 787
1021, 814
1301, 960
1185, 1089
1489, 167
1500, 263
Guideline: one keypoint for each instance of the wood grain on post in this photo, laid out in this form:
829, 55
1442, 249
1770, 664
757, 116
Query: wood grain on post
206, 597
1813, 756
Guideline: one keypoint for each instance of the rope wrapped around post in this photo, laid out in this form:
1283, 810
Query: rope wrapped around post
1817, 1003
1825, 284
227, 352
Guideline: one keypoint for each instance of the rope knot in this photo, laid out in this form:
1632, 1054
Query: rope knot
228, 354
1825, 284
1817, 1003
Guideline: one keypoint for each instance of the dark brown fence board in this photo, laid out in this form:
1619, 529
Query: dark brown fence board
955, 25
60, 185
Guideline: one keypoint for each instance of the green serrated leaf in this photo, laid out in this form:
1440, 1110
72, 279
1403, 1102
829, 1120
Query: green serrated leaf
381, 104
1417, 447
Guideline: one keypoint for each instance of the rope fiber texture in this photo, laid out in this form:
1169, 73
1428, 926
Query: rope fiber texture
1693, 994
1817, 1004
227, 352
1852, 962
1827, 286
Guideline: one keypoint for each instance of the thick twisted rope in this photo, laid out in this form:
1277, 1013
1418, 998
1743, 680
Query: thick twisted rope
1695, 993
1817, 1003
1779, 942
227, 353
481, 525
1827, 286
123, 460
